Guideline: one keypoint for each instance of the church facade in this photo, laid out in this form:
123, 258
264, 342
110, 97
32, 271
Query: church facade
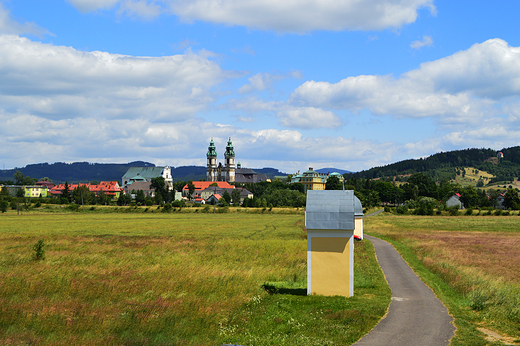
220, 172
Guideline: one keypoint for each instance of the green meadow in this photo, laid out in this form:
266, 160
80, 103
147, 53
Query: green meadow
179, 278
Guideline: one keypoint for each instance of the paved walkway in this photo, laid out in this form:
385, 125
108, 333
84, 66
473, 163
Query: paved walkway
415, 316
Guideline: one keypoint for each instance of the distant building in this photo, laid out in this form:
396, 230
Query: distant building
500, 155
145, 174
109, 188
228, 172
454, 201
312, 180
220, 173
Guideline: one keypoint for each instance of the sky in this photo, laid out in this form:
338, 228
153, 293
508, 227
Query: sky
347, 84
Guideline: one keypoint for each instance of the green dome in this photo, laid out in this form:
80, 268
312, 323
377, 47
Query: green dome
212, 150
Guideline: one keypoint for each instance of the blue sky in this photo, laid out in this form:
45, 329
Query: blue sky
345, 84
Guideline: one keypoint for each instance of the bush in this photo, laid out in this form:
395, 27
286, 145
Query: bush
469, 211
73, 207
453, 211
498, 212
402, 209
388, 209
3, 206
38, 251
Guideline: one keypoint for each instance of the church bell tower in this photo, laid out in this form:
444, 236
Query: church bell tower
230, 162
211, 168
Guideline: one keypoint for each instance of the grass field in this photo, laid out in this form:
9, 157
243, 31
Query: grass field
173, 279
471, 262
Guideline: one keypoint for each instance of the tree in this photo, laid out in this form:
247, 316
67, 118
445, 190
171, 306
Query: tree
140, 197
3, 206
235, 196
66, 192
227, 197
469, 197
191, 188
159, 185
333, 183
21, 179
511, 199
82, 195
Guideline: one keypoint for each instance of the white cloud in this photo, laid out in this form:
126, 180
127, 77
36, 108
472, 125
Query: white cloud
426, 42
308, 118
295, 16
92, 5
10, 26
60, 82
282, 16
263, 81
462, 88
140, 8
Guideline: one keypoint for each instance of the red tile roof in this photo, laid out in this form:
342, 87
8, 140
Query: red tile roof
202, 185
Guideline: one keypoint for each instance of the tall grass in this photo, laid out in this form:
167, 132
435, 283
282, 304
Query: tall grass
472, 263
172, 279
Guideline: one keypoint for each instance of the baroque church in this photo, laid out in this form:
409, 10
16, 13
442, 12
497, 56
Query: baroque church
227, 171
220, 172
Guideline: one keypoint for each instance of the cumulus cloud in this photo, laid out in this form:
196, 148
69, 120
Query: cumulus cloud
308, 118
141, 9
10, 26
263, 81
426, 42
460, 88
282, 16
59, 82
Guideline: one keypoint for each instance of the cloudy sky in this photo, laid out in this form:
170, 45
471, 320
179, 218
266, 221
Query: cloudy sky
348, 84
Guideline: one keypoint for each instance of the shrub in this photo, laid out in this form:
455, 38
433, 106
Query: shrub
205, 209
38, 251
402, 209
388, 209
3, 206
453, 211
73, 207
469, 211
498, 212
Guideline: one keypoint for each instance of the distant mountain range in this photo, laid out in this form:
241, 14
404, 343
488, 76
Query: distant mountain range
332, 170
503, 164
75, 172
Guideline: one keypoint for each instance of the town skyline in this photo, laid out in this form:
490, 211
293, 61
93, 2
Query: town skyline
322, 85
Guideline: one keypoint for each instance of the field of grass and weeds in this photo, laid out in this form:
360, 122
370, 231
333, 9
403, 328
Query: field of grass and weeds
188, 278
471, 262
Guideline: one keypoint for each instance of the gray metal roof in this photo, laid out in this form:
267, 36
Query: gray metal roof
358, 208
330, 210
145, 172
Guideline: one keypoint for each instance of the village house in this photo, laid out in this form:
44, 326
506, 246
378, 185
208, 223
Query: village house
145, 174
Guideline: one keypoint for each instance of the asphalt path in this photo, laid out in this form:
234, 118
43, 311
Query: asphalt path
415, 316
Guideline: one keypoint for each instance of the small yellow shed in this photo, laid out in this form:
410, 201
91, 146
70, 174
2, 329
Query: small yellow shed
330, 223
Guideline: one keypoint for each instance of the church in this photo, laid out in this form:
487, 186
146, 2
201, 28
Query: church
220, 172
227, 171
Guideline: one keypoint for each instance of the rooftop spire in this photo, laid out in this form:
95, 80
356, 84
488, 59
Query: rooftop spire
212, 150
229, 149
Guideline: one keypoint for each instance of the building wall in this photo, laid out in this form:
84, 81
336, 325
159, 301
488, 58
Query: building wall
358, 220
330, 263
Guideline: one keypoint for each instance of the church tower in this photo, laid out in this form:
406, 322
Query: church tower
211, 168
230, 162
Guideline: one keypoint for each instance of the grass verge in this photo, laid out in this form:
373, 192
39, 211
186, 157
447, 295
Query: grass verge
472, 265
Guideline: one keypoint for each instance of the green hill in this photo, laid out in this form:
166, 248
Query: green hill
453, 165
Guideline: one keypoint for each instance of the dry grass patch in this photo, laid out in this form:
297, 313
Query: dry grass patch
478, 257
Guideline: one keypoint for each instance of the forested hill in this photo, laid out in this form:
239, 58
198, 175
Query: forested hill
61, 172
83, 172
444, 165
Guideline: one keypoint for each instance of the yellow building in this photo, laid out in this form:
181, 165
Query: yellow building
311, 180
330, 223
